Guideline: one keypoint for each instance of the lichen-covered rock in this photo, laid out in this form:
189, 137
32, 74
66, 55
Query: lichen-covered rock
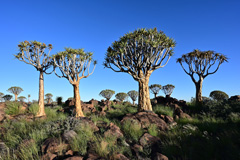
113, 130
69, 135
146, 119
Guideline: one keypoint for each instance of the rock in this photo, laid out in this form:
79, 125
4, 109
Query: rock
69, 135
74, 158
3, 149
137, 148
48, 156
2, 117
168, 119
53, 145
87, 122
93, 102
160, 156
88, 108
120, 157
69, 152
92, 156
235, 98
178, 113
148, 140
102, 124
146, 119
113, 130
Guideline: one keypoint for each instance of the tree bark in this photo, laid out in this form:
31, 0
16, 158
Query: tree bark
79, 112
134, 103
41, 111
199, 91
155, 95
144, 102
15, 97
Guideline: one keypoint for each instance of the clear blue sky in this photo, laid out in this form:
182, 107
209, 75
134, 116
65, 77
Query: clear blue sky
95, 24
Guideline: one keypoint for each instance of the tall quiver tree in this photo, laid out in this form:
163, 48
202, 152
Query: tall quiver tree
73, 64
16, 91
133, 95
155, 88
33, 53
139, 53
199, 63
168, 89
107, 93
48, 97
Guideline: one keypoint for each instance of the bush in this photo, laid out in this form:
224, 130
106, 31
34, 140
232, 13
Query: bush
162, 110
13, 108
34, 107
132, 130
218, 95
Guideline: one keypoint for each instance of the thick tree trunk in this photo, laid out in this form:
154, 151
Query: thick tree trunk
155, 95
134, 103
199, 91
41, 111
79, 112
15, 97
49, 101
144, 102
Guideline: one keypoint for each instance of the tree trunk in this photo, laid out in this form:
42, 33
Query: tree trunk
155, 95
199, 91
134, 103
144, 102
79, 112
41, 111
15, 97
49, 101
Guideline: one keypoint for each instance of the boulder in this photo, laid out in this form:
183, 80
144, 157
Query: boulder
159, 156
178, 113
74, 158
113, 130
235, 98
69, 135
53, 145
120, 157
88, 108
149, 140
48, 156
146, 119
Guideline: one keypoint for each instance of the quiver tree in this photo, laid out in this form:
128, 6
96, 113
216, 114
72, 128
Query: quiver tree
121, 96
7, 97
74, 64
155, 88
107, 93
33, 53
16, 91
133, 95
1, 96
168, 89
199, 65
29, 98
219, 95
21, 98
139, 53
48, 97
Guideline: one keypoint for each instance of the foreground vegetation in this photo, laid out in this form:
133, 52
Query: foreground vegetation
212, 133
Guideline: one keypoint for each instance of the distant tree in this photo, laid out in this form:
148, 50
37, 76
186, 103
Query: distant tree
71, 63
16, 91
133, 95
1, 96
199, 64
29, 98
33, 53
139, 53
218, 95
121, 96
108, 95
168, 89
7, 97
59, 100
48, 97
21, 98
155, 88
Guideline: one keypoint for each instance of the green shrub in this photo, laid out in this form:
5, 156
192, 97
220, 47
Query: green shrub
34, 107
218, 95
29, 151
132, 130
162, 110
13, 108
153, 130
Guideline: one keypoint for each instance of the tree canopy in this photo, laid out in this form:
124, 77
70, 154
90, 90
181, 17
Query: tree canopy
133, 95
168, 89
7, 97
141, 50
155, 88
21, 98
15, 90
107, 93
219, 95
121, 96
